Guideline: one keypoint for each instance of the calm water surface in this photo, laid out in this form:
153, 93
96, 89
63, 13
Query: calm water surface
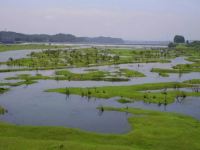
30, 105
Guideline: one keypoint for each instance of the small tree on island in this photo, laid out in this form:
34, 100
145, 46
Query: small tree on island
179, 39
171, 45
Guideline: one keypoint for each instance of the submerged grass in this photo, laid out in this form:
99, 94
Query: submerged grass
2, 110
151, 130
3, 90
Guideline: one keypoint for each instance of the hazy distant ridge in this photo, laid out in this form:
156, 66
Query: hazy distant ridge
13, 37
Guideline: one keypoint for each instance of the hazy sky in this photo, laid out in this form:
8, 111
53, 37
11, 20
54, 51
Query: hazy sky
129, 19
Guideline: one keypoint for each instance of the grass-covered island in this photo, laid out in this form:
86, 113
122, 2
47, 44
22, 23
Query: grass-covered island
135, 92
121, 75
85, 57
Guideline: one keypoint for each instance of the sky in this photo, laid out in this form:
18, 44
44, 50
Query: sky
149, 20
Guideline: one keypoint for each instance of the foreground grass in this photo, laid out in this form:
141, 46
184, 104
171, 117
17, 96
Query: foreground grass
134, 92
150, 130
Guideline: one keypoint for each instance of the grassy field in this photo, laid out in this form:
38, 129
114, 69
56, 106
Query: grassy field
150, 130
134, 92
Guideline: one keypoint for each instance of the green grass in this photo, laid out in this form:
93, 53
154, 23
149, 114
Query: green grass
26, 82
29, 69
124, 101
134, 92
87, 57
3, 90
191, 53
166, 71
9, 47
66, 75
193, 81
130, 73
2, 110
162, 74
177, 69
91, 75
151, 130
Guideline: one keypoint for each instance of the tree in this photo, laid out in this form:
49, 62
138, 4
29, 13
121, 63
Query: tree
116, 58
171, 45
179, 39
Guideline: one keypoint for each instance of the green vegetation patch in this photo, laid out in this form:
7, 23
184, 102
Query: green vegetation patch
88, 57
2, 110
26, 82
151, 130
67, 75
193, 81
131, 73
124, 101
92, 75
2, 90
134, 92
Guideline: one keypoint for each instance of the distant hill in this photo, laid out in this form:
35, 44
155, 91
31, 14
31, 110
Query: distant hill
13, 37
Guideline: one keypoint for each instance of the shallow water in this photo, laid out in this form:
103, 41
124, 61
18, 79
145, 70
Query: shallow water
29, 105
16, 54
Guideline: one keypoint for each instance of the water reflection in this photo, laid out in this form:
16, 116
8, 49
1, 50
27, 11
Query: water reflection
29, 105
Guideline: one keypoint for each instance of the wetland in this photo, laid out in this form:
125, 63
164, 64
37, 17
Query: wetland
113, 96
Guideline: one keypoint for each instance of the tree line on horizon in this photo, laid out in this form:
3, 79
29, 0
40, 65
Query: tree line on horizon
13, 37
